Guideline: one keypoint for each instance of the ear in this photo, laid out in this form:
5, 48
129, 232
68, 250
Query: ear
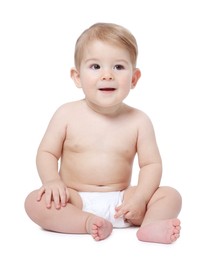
136, 76
74, 73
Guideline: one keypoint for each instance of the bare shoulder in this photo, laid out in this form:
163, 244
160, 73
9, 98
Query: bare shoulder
63, 114
66, 110
140, 117
67, 107
142, 123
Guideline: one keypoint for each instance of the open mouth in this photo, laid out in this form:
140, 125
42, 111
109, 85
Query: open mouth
107, 89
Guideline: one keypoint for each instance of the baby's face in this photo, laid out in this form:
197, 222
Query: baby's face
106, 74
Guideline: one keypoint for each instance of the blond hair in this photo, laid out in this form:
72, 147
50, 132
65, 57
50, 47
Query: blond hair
107, 32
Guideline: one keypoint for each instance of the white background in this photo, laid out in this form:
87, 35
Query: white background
36, 53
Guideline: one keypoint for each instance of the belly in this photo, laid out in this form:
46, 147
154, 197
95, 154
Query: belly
96, 173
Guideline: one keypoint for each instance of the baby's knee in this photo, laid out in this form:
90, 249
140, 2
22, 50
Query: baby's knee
172, 193
31, 204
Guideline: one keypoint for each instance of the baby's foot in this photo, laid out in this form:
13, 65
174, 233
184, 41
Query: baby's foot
163, 231
98, 227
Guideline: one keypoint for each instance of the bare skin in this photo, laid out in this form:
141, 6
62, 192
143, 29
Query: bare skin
96, 141
99, 228
154, 228
163, 231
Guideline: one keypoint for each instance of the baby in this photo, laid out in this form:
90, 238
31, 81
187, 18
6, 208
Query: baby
94, 141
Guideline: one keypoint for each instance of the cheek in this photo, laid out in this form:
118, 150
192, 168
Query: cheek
89, 78
127, 77
88, 85
126, 82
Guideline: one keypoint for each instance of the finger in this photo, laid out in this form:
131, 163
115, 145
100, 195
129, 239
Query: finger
129, 215
120, 213
117, 215
118, 207
133, 215
63, 198
40, 193
56, 198
67, 195
48, 198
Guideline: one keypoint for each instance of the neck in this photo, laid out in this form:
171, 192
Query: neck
107, 111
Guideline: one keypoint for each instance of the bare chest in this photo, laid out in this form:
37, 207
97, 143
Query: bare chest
101, 137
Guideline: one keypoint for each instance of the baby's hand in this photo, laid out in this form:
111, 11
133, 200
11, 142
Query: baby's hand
54, 191
131, 209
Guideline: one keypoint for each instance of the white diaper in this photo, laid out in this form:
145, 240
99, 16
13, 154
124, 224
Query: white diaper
103, 204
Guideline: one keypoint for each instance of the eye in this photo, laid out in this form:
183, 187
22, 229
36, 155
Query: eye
95, 67
119, 67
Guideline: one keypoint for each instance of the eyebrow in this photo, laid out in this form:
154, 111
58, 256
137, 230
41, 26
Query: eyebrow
96, 60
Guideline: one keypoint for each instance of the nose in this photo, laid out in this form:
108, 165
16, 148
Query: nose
107, 75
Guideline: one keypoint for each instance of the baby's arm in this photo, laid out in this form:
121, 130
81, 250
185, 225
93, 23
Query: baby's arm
48, 155
150, 162
150, 172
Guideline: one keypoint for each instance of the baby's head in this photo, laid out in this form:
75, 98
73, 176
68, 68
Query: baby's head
110, 33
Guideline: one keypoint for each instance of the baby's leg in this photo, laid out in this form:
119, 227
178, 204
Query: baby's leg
69, 219
160, 223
